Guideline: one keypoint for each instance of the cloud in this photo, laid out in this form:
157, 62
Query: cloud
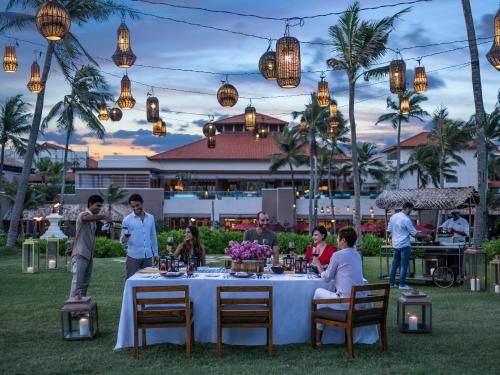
172, 140
59, 137
485, 26
141, 122
418, 36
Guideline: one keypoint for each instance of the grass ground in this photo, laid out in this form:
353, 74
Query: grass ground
465, 338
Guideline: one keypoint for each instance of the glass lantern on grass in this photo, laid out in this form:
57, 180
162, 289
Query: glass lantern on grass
475, 269
52, 253
79, 319
495, 274
31, 256
414, 313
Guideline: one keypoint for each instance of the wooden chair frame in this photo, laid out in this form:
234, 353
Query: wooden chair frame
353, 314
266, 313
185, 311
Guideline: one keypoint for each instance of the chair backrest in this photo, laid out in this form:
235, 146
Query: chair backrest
161, 299
245, 301
373, 301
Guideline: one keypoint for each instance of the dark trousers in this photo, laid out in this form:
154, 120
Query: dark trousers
134, 265
82, 269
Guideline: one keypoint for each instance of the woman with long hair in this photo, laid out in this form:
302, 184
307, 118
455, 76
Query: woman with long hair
320, 248
191, 246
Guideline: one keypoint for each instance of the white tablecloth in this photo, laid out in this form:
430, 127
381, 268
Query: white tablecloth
292, 297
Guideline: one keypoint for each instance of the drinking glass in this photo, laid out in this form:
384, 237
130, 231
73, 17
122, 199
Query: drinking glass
127, 235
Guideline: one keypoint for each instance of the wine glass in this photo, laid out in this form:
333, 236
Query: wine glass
291, 247
170, 244
127, 235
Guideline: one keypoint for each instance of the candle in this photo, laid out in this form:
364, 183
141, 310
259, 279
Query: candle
412, 322
475, 284
84, 327
52, 264
497, 288
31, 270
432, 271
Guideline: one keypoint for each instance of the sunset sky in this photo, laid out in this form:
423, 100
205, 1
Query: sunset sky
168, 44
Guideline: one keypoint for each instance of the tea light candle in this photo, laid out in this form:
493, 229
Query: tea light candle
52, 264
84, 327
412, 322
31, 270
475, 285
497, 288
432, 271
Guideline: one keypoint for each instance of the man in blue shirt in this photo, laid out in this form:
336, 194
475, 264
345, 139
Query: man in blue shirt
401, 227
139, 237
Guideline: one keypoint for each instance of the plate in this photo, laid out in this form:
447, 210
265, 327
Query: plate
172, 274
298, 275
212, 275
243, 275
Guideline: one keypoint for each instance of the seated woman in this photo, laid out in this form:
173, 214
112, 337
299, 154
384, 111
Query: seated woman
320, 248
191, 246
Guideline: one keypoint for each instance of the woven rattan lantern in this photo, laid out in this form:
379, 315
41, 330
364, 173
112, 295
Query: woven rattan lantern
323, 95
250, 115
126, 100
209, 129
420, 79
116, 114
35, 84
404, 106
103, 112
10, 59
333, 108
493, 54
288, 61
52, 20
267, 64
227, 95
123, 56
152, 109
303, 127
211, 142
397, 76
160, 128
331, 131
262, 131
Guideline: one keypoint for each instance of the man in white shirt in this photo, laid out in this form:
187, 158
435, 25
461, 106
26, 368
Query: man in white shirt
401, 228
456, 225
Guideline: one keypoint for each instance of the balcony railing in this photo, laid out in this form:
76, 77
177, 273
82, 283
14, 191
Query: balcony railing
211, 194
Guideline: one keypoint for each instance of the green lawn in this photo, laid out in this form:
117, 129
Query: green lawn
466, 336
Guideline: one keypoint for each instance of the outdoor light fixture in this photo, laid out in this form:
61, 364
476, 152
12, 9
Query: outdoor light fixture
323, 95
126, 100
267, 64
10, 59
123, 56
160, 128
227, 95
250, 115
404, 106
303, 130
333, 108
35, 84
116, 114
209, 129
475, 269
397, 76
414, 313
52, 252
288, 60
331, 131
52, 20
30, 256
79, 319
493, 54
152, 108
211, 142
495, 274
420, 79
103, 112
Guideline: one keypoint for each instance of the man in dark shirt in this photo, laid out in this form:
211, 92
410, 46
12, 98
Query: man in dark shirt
264, 236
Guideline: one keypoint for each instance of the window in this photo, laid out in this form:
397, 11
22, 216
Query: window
273, 128
238, 127
452, 179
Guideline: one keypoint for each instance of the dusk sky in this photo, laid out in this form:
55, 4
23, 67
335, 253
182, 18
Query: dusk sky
164, 43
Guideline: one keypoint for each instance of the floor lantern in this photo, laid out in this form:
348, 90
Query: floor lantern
31, 256
52, 253
495, 274
475, 269
414, 312
79, 320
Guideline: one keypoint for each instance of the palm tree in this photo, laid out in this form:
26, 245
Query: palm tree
357, 45
369, 163
81, 102
14, 123
68, 52
480, 219
396, 118
113, 194
47, 169
291, 153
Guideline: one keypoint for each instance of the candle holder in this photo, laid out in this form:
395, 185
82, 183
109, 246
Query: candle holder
163, 264
495, 274
300, 265
288, 262
79, 319
31, 256
475, 278
192, 265
52, 253
172, 264
414, 313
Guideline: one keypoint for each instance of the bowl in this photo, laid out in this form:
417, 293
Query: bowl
277, 269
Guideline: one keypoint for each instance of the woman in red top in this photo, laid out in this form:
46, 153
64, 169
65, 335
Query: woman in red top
320, 248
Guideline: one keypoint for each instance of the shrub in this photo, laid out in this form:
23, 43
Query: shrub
491, 248
9, 250
106, 248
371, 244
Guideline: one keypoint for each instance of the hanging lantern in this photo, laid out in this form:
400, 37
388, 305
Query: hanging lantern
397, 76
116, 114
323, 95
209, 129
52, 20
35, 84
250, 115
288, 61
333, 108
331, 131
10, 59
103, 112
160, 128
211, 142
404, 106
267, 64
493, 54
227, 95
152, 109
303, 127
262, 131
123, 56
420, 79
126, 100
163, 129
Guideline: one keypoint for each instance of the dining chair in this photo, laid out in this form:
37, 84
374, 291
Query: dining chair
154, 309
243, 312
375, 300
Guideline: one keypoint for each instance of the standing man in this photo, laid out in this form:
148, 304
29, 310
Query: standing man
82, 252
141, 242
264, 236
457, 225
401, 227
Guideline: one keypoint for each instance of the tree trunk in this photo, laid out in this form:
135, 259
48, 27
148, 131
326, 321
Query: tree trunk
311, 179
480, 230
330, 190
2, 157
316, 191
293, 181
28, 157
64, 168
398, 156
354, 155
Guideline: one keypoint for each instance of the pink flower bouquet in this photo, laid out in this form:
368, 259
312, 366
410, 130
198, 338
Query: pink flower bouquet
247, 251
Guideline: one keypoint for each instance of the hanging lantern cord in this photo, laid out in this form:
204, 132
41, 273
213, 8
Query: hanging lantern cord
418, 60
211, 118
270, 43
322, 76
